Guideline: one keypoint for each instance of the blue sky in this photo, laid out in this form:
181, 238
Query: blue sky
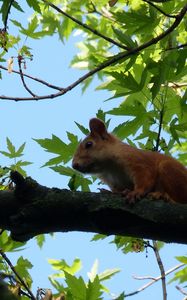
22, 121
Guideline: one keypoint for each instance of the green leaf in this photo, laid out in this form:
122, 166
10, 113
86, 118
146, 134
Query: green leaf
58, 286
124, 38
34, 4
130, 127
76, 286
98, 237
82, 128
128, 244
16, 23
180, 276
181, 60
66, 28
127, 109
61, 265
127, 81
54, 161
10, 147
19, 152
22, 267
94, 270
13, 153
107, 274
57, 146
17, 6
131, 62
93, 291
9, 245
182, 259
4, 9
40, 240
67, 171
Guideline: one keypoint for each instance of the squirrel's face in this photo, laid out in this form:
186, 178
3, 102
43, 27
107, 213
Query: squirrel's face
90, 155
94, 151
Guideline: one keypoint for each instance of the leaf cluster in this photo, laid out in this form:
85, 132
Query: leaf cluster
76, 287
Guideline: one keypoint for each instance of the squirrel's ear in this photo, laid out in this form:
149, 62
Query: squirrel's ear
97, 127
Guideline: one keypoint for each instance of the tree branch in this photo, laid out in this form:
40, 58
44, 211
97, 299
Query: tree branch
176, 47
33, 209
52, 86
159, 9
181, 290
162, 271
20, 61
83, 25
115, 59
152, 281
17, 275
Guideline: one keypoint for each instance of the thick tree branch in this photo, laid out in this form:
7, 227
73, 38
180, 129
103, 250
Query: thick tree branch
33, 209
113, 60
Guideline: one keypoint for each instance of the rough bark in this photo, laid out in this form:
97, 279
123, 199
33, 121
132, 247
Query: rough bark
32, 209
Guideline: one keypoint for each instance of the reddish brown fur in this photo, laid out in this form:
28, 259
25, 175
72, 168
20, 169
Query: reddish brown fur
129, 170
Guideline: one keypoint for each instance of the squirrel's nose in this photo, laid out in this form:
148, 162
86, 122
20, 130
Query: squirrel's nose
75, 165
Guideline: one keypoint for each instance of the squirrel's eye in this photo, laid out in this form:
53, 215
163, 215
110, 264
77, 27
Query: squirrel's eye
88, 145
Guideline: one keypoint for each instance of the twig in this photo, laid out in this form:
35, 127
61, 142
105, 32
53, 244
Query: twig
144, 277
105, 13
162, 271
159, 129
159, 9
17, 275
181, 290
94, 31
108, 62
20, 61
176, 85
153, 281
176, 47
35, 79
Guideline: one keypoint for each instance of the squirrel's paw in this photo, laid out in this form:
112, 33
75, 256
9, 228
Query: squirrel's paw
132, 196
159, 196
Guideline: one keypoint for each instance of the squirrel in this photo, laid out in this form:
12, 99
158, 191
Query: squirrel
128, 170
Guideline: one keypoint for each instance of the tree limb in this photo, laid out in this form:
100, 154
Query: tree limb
33, 209
153, 280
162, 270
159, 9
49, 85
83, 25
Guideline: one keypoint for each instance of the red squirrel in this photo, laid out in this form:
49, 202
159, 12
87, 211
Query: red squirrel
128, 170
